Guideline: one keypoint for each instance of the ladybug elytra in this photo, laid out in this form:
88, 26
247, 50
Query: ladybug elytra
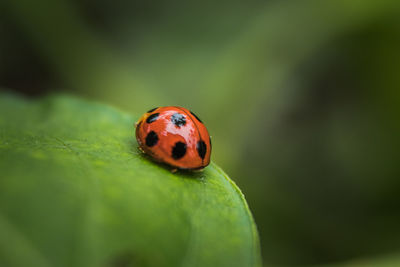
175, 136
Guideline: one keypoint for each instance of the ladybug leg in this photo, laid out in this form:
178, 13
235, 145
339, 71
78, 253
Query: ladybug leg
198, 170
141, 149
174, 170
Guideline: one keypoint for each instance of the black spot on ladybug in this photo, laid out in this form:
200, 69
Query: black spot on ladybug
201, 148
151, 139
152, 118
151, 110
178, 119
179, 150
196, 116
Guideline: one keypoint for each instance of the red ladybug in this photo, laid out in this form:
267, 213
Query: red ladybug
176, 136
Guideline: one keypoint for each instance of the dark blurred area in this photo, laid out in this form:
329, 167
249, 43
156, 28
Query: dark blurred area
301, 98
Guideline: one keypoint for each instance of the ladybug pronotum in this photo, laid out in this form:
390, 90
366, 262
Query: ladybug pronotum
175, 136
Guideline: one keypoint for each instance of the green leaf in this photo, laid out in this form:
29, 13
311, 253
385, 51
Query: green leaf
75, 191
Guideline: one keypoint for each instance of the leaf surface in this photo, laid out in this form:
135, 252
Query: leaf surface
76, 191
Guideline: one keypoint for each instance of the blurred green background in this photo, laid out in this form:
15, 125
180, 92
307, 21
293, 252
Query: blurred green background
301, 98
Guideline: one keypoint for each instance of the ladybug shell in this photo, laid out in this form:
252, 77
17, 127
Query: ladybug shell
175, 136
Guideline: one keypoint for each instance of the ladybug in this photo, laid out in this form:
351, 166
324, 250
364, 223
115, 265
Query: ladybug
175, 136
